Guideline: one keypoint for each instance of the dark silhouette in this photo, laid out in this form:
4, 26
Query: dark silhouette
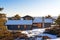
1, 9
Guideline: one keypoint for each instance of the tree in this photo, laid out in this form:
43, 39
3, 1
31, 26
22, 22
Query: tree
58, 21
48, 16
1, 9
17, 17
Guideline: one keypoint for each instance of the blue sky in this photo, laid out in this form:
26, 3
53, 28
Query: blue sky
31, 7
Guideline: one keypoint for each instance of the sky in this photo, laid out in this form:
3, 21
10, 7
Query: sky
31, 7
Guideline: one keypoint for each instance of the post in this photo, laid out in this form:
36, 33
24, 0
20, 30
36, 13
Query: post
43, 21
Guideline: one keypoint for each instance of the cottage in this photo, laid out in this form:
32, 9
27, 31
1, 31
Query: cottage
19, 24
48, 22
37, 22
27, 17
41, 22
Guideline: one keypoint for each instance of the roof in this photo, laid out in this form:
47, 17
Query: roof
48, 20
19, 22
37, 20
40, 20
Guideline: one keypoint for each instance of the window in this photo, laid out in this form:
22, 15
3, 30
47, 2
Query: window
34, 24
12, 27
21, 27
28, 27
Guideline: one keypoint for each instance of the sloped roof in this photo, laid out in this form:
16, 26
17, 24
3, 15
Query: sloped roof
19, 22
37, 20
40, 20
48, 20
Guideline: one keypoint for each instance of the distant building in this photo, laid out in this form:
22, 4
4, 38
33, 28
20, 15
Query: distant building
19, 24
38, 22
48, 22
28, 24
